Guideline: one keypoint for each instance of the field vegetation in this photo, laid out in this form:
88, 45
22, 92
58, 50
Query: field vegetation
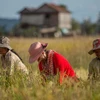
31, 87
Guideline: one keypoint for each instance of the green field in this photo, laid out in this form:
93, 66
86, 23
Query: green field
75, 49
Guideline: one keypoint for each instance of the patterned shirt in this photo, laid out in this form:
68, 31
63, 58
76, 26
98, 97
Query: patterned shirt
11, 62
94, 69
60, 66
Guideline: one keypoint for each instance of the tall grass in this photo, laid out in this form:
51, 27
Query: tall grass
32, 87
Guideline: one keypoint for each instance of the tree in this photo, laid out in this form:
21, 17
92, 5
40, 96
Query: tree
63, 6
98, 25
87, 27
75, 25
2, 30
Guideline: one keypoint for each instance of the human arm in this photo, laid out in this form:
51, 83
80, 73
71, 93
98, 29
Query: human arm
90, 71
41, 71
9, 63
59, 65
61, 76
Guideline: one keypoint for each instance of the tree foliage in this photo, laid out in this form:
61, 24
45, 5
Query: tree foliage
98, 24
75, 24
88, 27
63, 6
2, 30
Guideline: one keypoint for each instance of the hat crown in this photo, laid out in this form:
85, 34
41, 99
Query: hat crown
36, 50
35, 47
96, 43
4, 40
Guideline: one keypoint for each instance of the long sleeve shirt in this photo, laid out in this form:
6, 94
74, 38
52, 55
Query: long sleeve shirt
61, 65
94, 69
11, 62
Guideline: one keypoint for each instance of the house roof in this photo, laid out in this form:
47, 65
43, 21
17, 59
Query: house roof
55, 7
58, 8
27, 10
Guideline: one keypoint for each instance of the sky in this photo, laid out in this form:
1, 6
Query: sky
80, 9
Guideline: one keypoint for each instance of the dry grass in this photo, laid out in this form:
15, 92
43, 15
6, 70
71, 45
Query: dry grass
75, 49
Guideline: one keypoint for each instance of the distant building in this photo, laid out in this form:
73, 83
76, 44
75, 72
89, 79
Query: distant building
48, 18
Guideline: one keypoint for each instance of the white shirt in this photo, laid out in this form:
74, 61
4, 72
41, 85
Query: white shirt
11, 62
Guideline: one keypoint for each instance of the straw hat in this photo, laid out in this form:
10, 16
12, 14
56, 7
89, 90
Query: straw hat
96, 45
35, 51
4, 42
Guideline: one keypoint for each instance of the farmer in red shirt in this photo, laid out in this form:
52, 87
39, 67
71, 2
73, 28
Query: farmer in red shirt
50, 62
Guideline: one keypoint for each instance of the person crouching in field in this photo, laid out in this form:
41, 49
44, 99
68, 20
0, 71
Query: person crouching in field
10, 60
50, 62
94, 66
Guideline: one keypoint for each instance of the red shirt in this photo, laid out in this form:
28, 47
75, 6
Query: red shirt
62, 65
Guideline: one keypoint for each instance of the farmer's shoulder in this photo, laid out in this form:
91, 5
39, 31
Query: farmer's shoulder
93, 61
59, 57
8, 54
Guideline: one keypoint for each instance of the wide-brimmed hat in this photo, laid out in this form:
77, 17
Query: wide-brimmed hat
4, 42
96, 45
35, 51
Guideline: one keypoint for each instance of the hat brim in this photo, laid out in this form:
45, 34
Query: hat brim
5, 46
34, 58
92, 51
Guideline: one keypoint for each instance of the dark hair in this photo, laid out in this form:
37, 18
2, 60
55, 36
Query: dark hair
44, 45
16, 54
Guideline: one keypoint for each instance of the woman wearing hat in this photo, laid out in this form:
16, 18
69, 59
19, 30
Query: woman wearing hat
50, 62
94, 66
10, 59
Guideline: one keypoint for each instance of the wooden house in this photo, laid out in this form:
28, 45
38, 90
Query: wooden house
48, 18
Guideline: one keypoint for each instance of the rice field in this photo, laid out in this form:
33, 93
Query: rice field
31, 87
